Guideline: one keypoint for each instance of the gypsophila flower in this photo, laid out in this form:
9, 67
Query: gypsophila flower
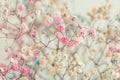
65, 39
82, 32
58, 19
44, 40
21, 7
60, 27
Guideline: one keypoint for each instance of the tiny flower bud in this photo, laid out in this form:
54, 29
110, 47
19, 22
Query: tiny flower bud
21, 7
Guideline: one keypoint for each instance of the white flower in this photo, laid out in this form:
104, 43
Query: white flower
24, 49
37, 13
81, 64
12, 60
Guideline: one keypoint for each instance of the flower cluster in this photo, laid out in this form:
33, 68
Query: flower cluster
47, 40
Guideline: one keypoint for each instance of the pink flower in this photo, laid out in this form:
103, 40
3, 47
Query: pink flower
31, 2
118, 50
15, 55
25, 70
38, 3
35, 79
65, 39
111, 48
30, 53
21, 7
59, 35
14, 67
7, 3
23, 57
33, 33
35, 52
19, 43
70, 44
75, 41
58, 19
6, 12
49, 21
74, 18
92, 32
82, 32
37, 13
7, 49
24, 27
119, 70
23, 19
66, 17
60, 27
3, 68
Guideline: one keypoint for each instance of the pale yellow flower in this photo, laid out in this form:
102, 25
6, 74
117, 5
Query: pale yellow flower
70, 72
24, 78
79, 71
91, 57
50, 61
94, 71
87, 75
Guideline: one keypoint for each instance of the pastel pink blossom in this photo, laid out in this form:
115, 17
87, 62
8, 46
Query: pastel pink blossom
8, 49
35, 52
31, 2
119, 70
3, 68
35, 79
25, 70
24, 27
58, 19
30, 53
70, 44
1, 26
23, 19
21, 7
59, 35
75, 41
7, 3
82, 32
37, 3
14, 67
49, 21
74, 18
19, 43
6, 12
23, 57
65, 39
92, 32
37, 13
66, 17
111, 48
60, 27
33, 33
118, 50
15, 55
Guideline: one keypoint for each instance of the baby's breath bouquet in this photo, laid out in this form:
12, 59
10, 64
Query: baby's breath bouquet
45, 41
